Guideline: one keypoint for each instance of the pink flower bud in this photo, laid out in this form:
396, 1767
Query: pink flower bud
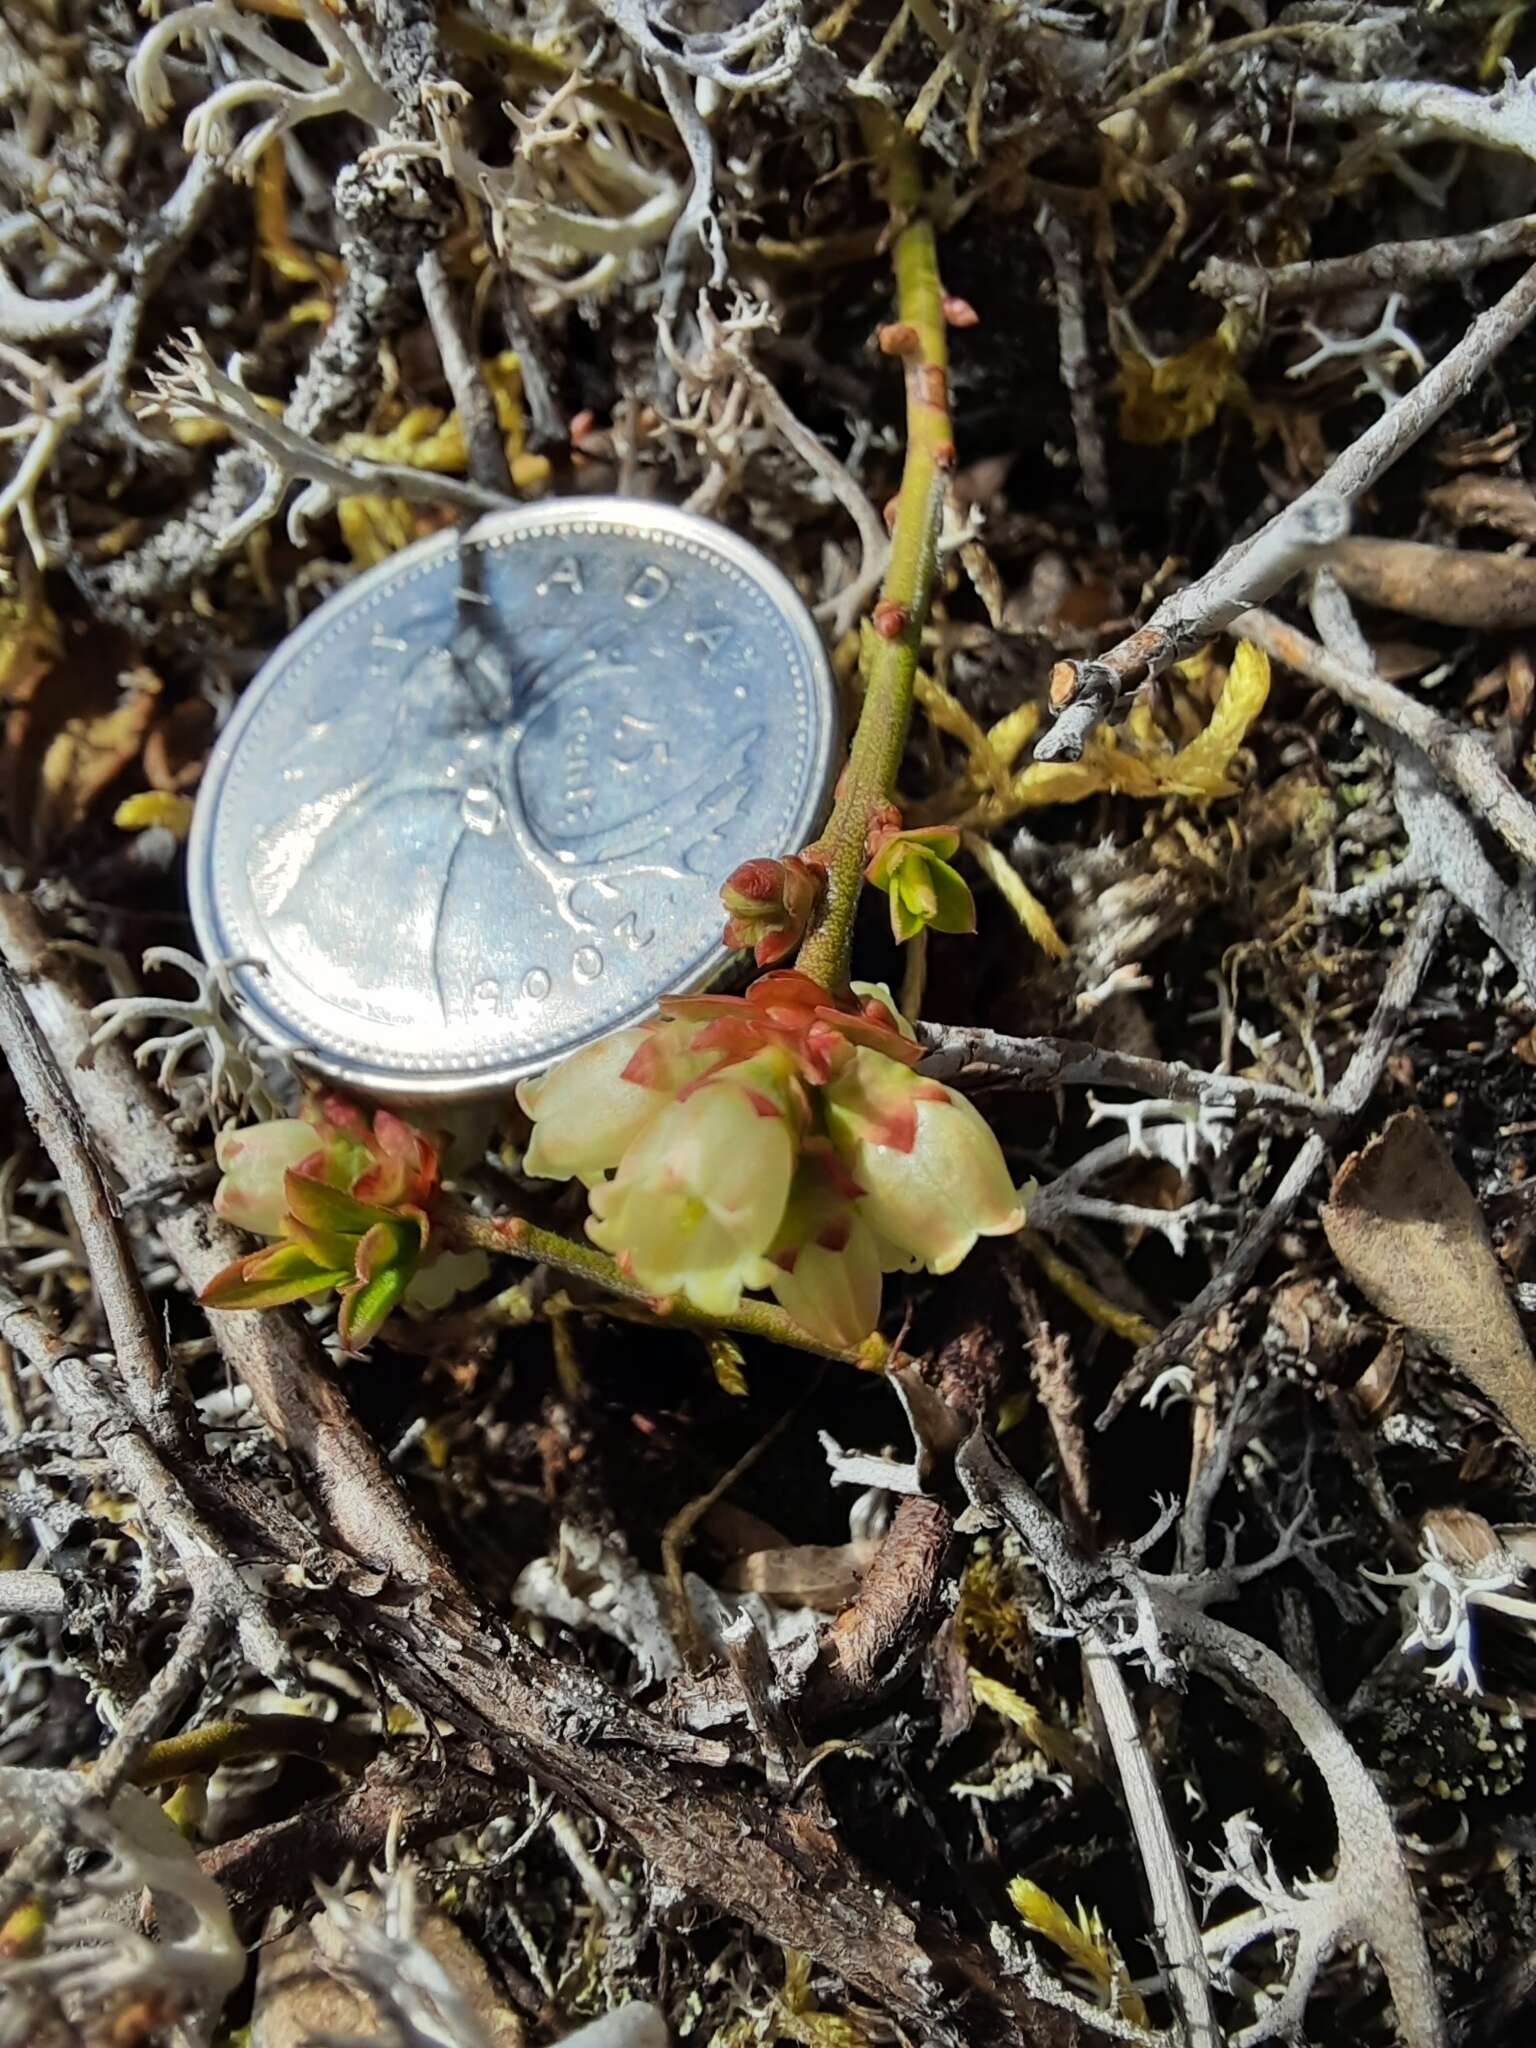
254, 1162
933, 1174
347, 1195
700, 1192
824, 1268
590, 1109
769, 904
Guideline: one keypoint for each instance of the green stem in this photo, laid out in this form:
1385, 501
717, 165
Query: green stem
513, 1236
892, 641
532, 66
200, 1751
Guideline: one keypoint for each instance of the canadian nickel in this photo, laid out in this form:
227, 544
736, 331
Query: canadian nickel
477, 810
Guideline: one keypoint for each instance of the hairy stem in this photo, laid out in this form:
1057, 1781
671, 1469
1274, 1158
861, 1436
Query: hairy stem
512, 1235
893, 639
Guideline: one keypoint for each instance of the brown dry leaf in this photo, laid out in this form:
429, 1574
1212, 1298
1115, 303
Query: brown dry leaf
1312, 1322
1463, 1537
1407, 1230
1375, 1394
822, 1575
86, 756
297, 1998
1398, 661
1506, 503
29, 643
1451, 586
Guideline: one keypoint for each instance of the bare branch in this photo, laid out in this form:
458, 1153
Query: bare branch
1391, 266
1162, 1861
1353, 1090
1083, 692
39, 1596
146, 261
272, 1864
970, 1054
55, 1116
1443, 841
1076, 359
1463, 759
473, 403
143, 1475
276, 1357
1421, 110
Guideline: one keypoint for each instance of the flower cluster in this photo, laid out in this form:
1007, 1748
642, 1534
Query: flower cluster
346, 1197
778, 1141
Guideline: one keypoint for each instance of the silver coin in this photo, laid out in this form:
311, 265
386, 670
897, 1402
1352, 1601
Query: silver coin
477, 810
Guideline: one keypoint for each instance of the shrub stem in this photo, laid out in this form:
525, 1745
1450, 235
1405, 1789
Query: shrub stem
893, 636
512, 1235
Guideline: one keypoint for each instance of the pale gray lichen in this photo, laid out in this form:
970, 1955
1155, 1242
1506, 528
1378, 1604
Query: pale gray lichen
297, 88
1442, 1595
238, 1079
92, 1953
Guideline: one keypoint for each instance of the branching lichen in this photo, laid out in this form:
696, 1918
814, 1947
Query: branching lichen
299, 89
92, 1957
236, 1080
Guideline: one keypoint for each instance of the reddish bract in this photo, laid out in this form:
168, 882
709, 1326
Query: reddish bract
789, 1010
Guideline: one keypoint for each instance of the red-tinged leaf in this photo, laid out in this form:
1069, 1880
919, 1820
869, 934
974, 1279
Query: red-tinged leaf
386, 1244
884, 1038
315, 1206
377, 1249
345, 1151
404, 1164
339, 1118
267, 1279
754, 888
366, 1305
332, 1249
789, 1010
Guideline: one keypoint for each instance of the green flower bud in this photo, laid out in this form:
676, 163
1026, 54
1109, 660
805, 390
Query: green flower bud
913, 868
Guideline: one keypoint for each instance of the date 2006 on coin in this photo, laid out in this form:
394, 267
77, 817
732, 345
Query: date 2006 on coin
476, 811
